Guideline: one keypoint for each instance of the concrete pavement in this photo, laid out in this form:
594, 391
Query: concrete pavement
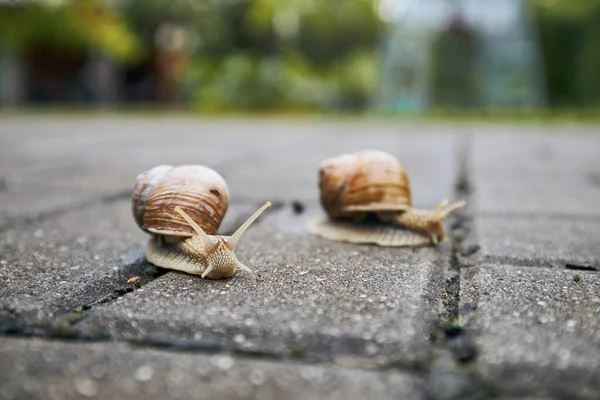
509, 307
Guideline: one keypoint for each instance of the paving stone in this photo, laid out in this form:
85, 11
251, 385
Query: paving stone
35, 369
105, 163
51, 167
33, 201
574, 195
308, 298
535, 198
537, 147
430, 158
75, 258
537, 329
534, 203
536, 173
255, 157
537, 240
63, 262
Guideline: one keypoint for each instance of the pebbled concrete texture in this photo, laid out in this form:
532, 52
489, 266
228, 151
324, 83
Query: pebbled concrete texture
428, 157
562, 193
544, 241
509, 312
537, 328
525, 148
70, 165
536, 173
33, 165
308, 296
534, 198
118, 371
60, 264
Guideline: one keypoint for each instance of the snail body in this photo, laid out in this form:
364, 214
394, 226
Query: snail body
182, 208
372, 182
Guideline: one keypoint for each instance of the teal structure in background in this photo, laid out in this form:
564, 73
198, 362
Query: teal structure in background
459, 54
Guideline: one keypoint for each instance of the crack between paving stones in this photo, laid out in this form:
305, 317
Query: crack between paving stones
44, 216
520, 262
64, 329
459, 231
62, 326
519, 215
212, 349
451, 369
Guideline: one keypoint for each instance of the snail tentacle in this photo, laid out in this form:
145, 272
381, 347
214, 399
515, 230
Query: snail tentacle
194, 225
233, 239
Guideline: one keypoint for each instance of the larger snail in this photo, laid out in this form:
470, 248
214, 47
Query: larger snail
182, 208
352, 186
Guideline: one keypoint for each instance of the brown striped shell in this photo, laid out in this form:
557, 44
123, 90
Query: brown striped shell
200, 191
367, 181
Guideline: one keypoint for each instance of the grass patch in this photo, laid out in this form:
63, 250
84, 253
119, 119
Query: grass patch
297, 352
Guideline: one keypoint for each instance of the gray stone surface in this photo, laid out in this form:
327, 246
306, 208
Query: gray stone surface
536, 173
537, 329
429, 157
53, 370
537, 240
530, 147
535, 197
307, 293
256, 157
65, 262
72, 163
575, 195
514, 315
25, 202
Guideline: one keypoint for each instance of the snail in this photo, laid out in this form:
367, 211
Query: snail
182, 208
353, 186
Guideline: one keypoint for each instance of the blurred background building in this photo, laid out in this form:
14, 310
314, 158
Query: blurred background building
461, 54
301, 55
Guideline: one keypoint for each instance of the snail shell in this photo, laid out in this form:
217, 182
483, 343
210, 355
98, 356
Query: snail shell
198, 190
374, 182
182, 209
351, 185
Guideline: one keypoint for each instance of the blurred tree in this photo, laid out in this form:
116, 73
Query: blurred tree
262, 54
566, 9
570, 36
64, 48
66, 26
322, 31
297, 54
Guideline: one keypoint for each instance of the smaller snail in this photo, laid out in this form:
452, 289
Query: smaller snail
182, 209
353, 186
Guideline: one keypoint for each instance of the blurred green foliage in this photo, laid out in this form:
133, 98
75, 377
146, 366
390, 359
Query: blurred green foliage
243, 54
75, 26
283, 54
569, 33
287, 54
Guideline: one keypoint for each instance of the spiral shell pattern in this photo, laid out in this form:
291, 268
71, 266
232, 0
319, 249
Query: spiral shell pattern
366, 181
200, 191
